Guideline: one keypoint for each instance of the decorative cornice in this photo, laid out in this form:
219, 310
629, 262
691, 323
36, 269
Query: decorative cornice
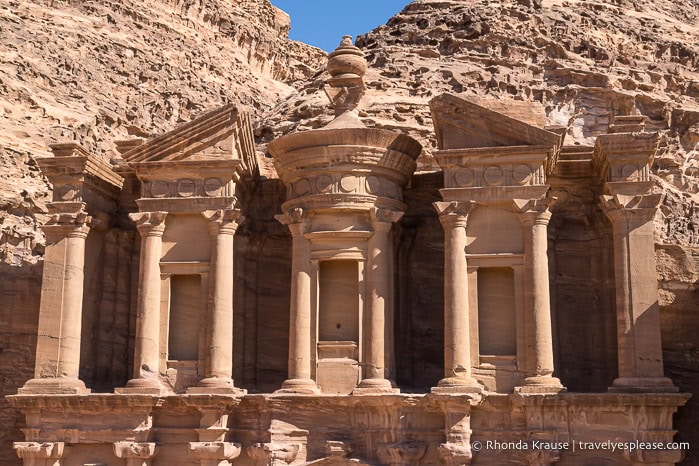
196, 136
625, 156
68, 219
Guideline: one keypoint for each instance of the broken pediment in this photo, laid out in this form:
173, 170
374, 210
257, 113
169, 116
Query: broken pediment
224, 134
463, 124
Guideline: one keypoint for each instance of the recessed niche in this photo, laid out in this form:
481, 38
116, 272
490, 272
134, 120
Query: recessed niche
496, 311
338, 318
185, 317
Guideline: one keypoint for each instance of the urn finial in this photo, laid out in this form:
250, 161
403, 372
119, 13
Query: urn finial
346, 66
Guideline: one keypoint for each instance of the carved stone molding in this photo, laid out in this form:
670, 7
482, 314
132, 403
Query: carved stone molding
385, 216
625, 157
403, 453
291, 216
186, 188
149, 223
345, 183
41, 454
524, 173
534, 211
639, 207
654, 455
337, 449
68, 219
453, 214
456, 451
273, 454
135, 453
225, 222
215, 453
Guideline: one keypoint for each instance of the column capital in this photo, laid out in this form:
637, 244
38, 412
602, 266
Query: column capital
623, 207
224, 222
453, 214
291, 216
272, 453
384, 216
214, 450
40, 451
149, 223
295, 219
533, 211
68, 220
137, 450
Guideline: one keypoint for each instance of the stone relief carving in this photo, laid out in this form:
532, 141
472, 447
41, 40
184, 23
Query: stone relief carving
344, 184
519, 174
184, 188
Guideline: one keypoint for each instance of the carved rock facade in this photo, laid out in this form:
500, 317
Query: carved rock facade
203, 309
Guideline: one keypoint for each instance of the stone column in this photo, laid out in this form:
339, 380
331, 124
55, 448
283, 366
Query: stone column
638, 319
300, 375
457, 333
379, 279
60, 314
41, 454
218, 378
135, 453
151, 226
535, 216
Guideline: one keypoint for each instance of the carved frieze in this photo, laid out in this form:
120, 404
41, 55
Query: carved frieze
486, 175
187, 188
625, 157
344, 183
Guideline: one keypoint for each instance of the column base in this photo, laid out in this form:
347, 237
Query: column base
458, 385
143, 387
541, 384
643, 385
216, 386
299, 387
54, 386
372, 386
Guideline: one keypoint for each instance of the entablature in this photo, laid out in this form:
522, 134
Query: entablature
625, 157
78, 176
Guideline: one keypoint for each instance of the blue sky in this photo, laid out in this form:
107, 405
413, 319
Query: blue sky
323, 22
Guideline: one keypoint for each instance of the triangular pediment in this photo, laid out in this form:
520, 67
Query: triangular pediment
223, 134
463, 124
